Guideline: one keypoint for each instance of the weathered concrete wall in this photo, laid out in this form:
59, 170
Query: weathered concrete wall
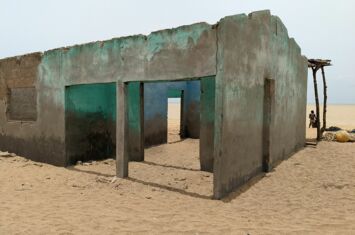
166, 55
191, 118
135, 99
241, 51
207, 117
251, 49
177, 53
22, 104
90, 121
30, 138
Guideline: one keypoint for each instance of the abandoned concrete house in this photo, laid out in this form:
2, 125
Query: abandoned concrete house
243, 83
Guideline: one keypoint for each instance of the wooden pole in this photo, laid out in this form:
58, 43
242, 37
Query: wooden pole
324, 102
314, 69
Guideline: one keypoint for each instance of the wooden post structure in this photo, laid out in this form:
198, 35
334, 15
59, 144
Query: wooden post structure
324, 102
314, 70
315, 65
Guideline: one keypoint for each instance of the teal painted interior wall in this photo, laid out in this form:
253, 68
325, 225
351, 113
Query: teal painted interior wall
207, 119
134, 106
208, 94
174, 93
191, 124
135, 129
92, 98
90, 121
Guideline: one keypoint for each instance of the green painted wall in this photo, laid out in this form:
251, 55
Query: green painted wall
92, 98
174, 93
207, 120
134, 106
135, 127
90, 122
208, 89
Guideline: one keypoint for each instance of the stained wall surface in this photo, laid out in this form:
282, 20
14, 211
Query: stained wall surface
22, 104
90, 122
191, 118
251, 49
207, 121
32, 134
241, 51
167, 55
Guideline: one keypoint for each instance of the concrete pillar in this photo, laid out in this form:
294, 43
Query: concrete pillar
121, 131
218, 190
207, 112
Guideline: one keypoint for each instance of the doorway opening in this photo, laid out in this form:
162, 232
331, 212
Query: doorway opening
175, 115
175, 165
269, 93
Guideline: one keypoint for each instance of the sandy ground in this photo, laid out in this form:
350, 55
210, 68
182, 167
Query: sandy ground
311, 193
173, 122
342, 116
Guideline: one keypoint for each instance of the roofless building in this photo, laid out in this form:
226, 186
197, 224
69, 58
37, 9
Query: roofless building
244, 83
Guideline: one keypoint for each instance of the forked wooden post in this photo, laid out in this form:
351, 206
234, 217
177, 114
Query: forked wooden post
325, 96
316, 64
314, 70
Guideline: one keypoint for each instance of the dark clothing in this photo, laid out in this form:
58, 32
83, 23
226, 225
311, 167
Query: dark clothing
312, 120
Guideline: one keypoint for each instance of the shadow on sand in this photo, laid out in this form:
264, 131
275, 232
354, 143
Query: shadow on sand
148, 183
244, 188
169, 166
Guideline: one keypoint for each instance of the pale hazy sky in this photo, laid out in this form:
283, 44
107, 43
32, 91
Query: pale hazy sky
322, 28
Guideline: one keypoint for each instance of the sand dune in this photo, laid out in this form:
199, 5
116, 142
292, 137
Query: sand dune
311, 193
